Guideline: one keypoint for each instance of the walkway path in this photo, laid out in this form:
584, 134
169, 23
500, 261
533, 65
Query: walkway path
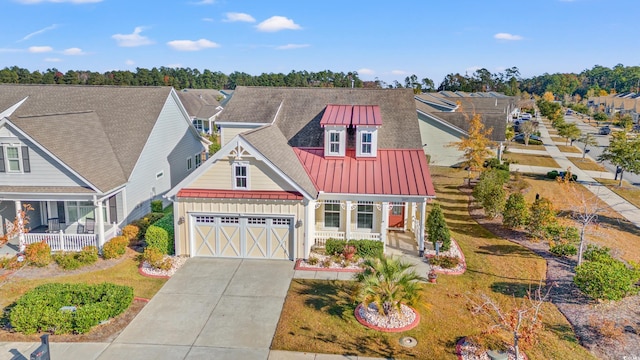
616, 202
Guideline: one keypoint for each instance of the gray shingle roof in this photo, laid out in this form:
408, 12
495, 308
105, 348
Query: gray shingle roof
497, 122
299, 111
200, 103
98, 131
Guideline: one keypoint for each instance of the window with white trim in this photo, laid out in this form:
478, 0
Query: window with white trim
241, 176
365, 215
334, 142
189, 163
13, 159
198, 158
332, 214
366, 140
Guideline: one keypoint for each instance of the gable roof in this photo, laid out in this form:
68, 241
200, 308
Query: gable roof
351, 115
201, 103
297, 112
98, 131
462, 121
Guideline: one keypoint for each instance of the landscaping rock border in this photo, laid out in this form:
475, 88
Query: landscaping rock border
367, 317
458, 270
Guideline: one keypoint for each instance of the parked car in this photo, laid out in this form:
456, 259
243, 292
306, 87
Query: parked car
520, 137
605, 130
526, 116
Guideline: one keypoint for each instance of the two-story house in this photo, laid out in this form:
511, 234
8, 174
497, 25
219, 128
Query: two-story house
301, 165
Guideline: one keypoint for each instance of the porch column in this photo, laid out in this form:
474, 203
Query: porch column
20, 224
420, 226
100, 223
309, 227
384, 224
347, 225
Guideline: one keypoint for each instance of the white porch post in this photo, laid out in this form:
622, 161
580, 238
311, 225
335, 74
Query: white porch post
100, 223
309, 227
421, 219
384, 224
347, 225
20, 223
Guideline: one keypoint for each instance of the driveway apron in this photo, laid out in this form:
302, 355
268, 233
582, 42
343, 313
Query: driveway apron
211, 308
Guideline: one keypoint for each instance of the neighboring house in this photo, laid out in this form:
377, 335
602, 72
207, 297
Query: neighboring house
440, 128
90, 158
203, 107
305, 165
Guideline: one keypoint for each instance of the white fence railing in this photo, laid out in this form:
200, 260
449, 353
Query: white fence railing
322, 236
61, 241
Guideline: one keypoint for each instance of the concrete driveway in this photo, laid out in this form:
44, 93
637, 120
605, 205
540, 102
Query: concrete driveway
211, 308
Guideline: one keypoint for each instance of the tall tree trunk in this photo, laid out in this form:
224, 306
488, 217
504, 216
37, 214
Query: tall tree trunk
581, 247
621, 173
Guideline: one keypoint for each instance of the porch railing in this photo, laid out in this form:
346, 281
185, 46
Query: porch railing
322, 236
63, 242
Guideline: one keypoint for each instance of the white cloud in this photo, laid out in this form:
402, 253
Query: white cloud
207, 19
74, 51
507, 36
277, 23
365, 71
52, 60
242, 17
40, 49
129, 62
27, 37
190, 45
132, 40
292, 46
29, 2
398, 72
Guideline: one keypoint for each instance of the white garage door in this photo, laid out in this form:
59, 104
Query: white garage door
254, 237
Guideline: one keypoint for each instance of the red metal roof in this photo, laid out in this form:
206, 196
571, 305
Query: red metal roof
351, 115
392, 172
239, 194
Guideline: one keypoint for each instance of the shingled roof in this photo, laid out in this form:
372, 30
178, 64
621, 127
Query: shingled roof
98, 131
200, 103
497, 122
297, 112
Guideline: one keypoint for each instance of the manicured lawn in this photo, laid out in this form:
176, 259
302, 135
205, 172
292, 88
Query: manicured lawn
626, 191
124, 273
587, 164
517, 145
569, 149
534, 160
559, 139
318, 317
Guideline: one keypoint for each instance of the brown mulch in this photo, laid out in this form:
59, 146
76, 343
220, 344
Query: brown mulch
588, 318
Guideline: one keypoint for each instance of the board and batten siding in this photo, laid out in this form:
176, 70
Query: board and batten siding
186, 207
353, 226
227, 133
437, 136
163, 161
45, 170
261, 177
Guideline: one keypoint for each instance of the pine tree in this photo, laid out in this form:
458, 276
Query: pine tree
437, 228
515, 213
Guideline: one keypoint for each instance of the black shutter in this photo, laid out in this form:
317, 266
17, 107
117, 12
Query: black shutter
26, 164
113, 209
2, 169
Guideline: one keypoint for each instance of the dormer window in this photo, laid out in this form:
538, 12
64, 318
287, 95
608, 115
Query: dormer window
335, 138
334, 142
365, 143
363, 120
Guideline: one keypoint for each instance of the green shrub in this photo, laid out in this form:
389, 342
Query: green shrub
130, 232
597, 253
67, 260
494, 163
156, 259
516, 211
541, 214
157, 238
38, 254
610, 280
368, 248
490, 191
146, 221
558, 233
445, 262
437, 228
335, 246
115, 247
166, 223
553, 174
39, 309
535, 142
156, 206
563, 249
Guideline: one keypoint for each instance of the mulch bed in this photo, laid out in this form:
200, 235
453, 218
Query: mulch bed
581, 312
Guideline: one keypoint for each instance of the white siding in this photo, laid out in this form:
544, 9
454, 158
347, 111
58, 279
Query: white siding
437, 136
170, 143
45, 171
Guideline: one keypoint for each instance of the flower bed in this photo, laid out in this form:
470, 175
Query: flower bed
455, 252
395, 322
146, 270
329, 263
466, 350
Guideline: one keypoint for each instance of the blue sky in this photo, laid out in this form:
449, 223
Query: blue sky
385, 39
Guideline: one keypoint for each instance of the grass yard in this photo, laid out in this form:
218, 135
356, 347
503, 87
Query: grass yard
569, 149
626, 191
586, 164
123, 273
559, 139
533, 160
611, 229
517, 145
318, 317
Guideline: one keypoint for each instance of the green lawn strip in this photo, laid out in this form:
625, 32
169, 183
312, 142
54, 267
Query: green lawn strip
318, 317
626, 191
124, 273
533, 160
586, 164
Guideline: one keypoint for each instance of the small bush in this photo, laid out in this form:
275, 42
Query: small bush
166, 223
535, 142
563, 249
610, 280
156, 259
130, 232
115, 247
553, 174
156, 206
516, 211
158, 238
38, 254
145, 222
67, 260
597, 253
312, 260
335, 246
11, 263
445, 262
368, 248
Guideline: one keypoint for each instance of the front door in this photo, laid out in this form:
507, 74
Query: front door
396, 216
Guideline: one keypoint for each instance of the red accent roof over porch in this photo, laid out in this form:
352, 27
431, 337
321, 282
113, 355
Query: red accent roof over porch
239, 194
392, 172
351, 115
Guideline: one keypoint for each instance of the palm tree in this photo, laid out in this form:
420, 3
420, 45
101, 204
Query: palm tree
389, 283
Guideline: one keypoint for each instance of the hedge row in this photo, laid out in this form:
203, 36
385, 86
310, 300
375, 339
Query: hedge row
160, 235
41, 309
364, 248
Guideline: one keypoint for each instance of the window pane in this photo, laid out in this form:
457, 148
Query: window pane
365, 221
366, 137
241, 171
335, 148
366, 148
335, 136
14, 165
241, 182
12, 152
332, 220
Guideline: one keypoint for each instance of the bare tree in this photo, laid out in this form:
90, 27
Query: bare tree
527, 128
